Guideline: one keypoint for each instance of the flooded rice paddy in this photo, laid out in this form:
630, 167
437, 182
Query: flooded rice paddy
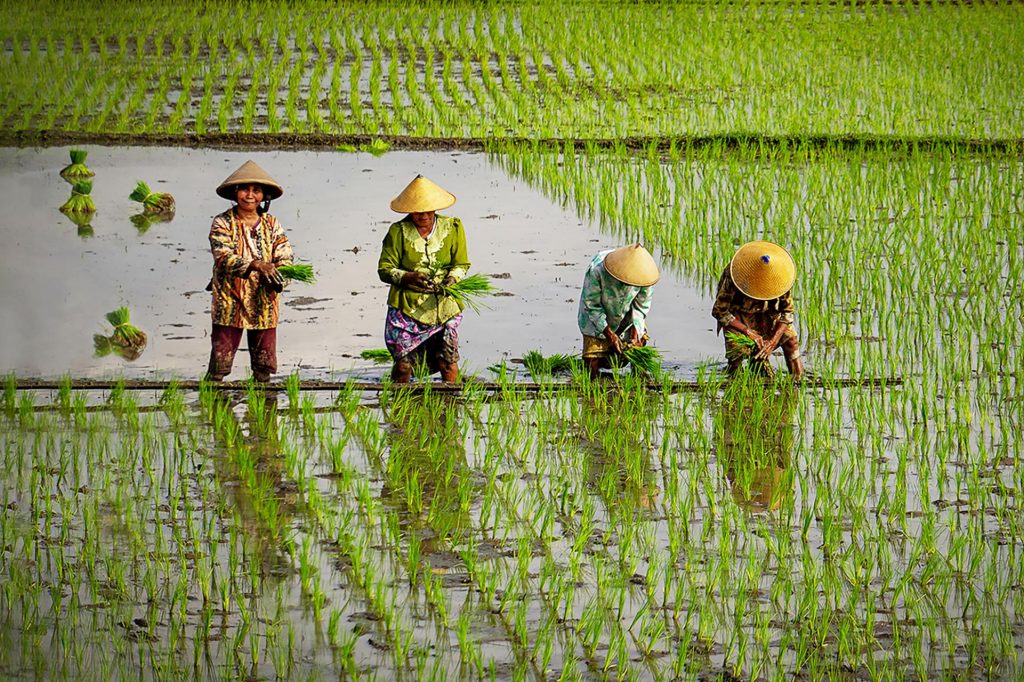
593, 530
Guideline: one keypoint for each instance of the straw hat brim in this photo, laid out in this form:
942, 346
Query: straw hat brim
762, 270
632, 265
249, 173
422, 196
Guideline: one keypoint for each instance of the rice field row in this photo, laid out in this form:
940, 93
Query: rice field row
478, 70
757, 532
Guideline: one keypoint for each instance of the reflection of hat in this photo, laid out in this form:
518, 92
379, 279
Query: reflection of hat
421, 196
250, 174
762, 270
632, 265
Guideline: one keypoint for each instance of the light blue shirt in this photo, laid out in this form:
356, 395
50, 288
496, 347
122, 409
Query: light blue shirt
607, 302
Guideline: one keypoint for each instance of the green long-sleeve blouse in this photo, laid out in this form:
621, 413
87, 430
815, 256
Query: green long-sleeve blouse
442, 254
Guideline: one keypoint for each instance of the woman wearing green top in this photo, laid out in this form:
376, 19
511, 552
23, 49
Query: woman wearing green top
420, 251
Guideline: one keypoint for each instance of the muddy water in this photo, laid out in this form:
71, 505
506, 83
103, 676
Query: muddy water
56, 283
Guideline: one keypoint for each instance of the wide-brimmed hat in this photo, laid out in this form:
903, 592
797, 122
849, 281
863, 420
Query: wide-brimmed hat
250, 174
762, 270
422, 196
632, 265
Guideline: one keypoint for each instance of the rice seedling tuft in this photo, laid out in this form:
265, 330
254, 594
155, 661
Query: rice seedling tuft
469, 290
152, 202
377, 147
300, 272
127, 340
77, 169
379, 355
644, 359
540, 365
744, 345
79, 202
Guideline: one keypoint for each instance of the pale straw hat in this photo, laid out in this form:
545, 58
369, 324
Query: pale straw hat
422, 196
762, 270
250, 174
632, 265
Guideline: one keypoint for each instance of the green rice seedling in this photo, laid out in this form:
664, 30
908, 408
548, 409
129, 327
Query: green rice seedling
645, 359
79, 202
378, 355
745, 343
378, 147
469, 290
152, 202
540, 365
77, 169
300, 272
127, 340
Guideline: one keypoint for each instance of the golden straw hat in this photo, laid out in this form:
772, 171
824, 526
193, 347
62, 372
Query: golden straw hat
632, 265
421, 196
762, 270
249, 173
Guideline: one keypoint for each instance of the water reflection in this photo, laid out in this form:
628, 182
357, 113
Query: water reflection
618, 433
248, 461
426, 474
755, 434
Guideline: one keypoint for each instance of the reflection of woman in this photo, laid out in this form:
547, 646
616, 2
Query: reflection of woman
420, 251
755, 439
248, 244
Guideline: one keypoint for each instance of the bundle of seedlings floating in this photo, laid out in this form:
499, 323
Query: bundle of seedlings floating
126, 341
540, 365
77, 169
79, 202
152, 202
378, 355
644, 359
300, 272
743, 347
469, 290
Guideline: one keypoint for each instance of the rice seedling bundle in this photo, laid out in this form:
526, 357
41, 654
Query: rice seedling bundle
152, 202
745, 344
540, 365
80, 201
77, 169
380, 355
300, 272
126, 340
468, 290
644, 358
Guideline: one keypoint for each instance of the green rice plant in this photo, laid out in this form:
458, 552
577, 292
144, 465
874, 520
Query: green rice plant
646, 359
468, 290
77, 169
127, 340
300, 272
378, 355
377, 147
746, 345
152, 202
79, 202
540, 365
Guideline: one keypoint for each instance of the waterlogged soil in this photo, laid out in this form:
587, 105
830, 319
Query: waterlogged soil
58, 280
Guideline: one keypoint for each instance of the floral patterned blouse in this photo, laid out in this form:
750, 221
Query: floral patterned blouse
607, 302
240, 299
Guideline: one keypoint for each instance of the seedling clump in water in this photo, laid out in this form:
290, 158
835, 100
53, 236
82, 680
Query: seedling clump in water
80, 202
127, 340
77, 169
152, 202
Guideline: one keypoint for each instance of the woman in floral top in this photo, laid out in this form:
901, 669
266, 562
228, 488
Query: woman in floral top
614, 303
418, 252
248, 244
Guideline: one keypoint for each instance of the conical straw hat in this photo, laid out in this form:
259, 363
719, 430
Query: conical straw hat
762, 270
250, 173
632, 265
421, 196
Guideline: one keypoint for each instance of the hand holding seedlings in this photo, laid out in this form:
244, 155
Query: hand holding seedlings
614, 302
417, 281
268, 273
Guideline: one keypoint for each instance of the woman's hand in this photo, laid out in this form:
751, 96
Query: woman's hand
633, 336
417, 281
613, 339
268, 273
